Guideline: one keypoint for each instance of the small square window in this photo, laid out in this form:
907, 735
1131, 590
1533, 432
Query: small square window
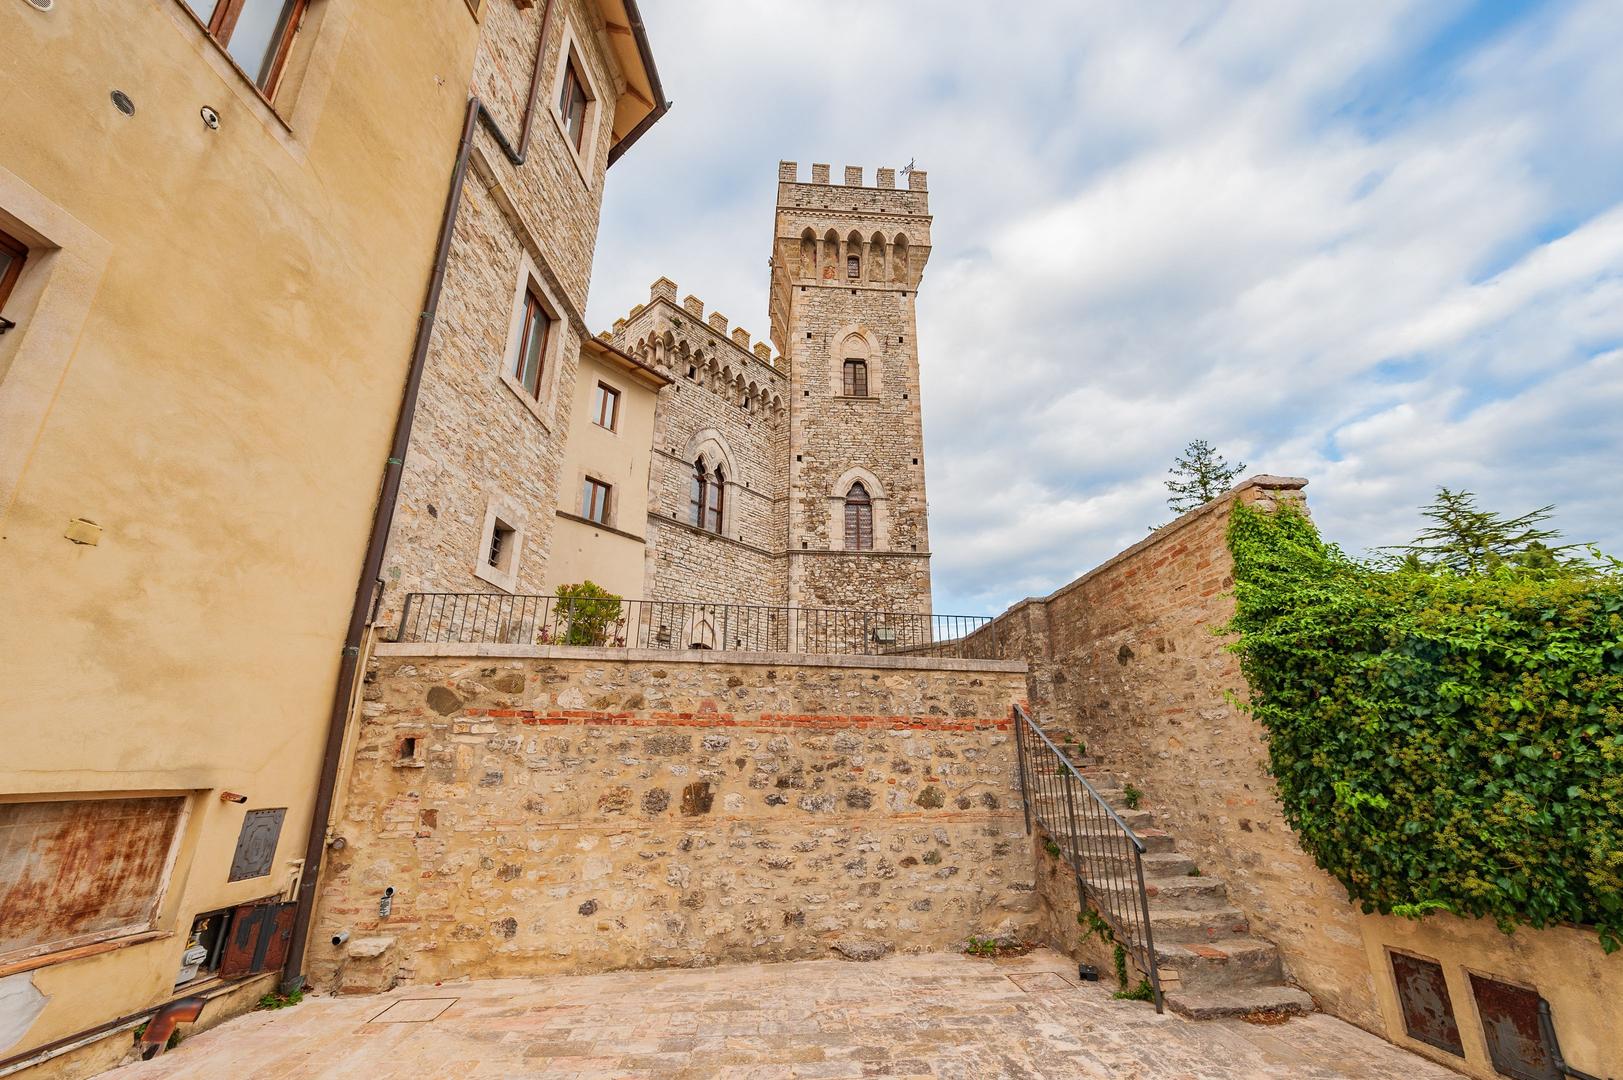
532, 344
594, 501
499, 555
606, 407
572, 104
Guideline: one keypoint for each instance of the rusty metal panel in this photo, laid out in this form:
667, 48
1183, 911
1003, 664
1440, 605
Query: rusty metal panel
1511, 1026
78, 871
1428, 1014
256, 844
258, 938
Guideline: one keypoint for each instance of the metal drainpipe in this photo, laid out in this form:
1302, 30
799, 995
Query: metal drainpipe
383, 515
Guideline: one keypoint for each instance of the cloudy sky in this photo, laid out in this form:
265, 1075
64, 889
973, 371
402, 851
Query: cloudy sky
1379, 245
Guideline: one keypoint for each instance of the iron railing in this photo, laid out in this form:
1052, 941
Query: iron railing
497, 618
1105, 856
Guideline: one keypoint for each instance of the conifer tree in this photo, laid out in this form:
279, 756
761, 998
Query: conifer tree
1199, 476
1466, 539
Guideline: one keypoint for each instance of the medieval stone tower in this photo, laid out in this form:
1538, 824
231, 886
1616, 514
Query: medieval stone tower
797, 478
846, 264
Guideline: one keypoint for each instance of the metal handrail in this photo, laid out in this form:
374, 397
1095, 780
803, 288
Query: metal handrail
501, 618
1093, 839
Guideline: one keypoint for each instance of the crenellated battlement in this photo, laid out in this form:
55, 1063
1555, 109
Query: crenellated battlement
884, 179
702, 349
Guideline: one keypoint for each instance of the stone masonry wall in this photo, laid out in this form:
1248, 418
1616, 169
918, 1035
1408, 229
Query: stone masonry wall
1124, 658
473, 438
726, 400
599, 809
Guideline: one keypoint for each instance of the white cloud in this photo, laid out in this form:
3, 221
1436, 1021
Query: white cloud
1353, 244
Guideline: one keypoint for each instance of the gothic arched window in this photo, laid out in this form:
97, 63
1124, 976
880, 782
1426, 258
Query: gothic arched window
858, 519
717, 493
696, 495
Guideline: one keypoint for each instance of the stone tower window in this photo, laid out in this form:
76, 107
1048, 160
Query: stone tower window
853, 266
706, 497
858, 519
856, 378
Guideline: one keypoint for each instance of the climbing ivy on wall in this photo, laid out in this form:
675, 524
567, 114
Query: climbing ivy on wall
1440, 741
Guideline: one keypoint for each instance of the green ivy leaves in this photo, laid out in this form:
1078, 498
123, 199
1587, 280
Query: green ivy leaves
1440, 741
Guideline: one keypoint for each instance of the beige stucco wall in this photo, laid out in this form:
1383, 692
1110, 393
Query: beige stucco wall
612, 557
580, 810
214, 332
1565, 964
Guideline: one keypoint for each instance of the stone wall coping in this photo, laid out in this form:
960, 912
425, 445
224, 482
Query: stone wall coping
1260, 482
692, 656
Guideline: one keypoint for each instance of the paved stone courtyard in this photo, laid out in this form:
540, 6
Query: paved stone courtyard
941, 1015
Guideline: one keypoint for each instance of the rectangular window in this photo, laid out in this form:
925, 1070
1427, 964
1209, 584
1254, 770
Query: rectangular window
594, 501
606, 407
853, 266
78, 871
500, 555
572, 105
13, 253
856, 378
256, 34
532, 344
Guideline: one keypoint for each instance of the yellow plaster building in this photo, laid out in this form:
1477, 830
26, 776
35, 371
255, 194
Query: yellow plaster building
219, 220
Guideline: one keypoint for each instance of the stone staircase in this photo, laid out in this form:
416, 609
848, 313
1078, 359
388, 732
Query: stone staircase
1210, 965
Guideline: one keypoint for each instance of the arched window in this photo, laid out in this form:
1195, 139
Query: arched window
717, 493
707, 493
858, 519
856, 378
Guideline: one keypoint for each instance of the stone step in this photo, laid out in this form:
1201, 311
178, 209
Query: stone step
1165, 864
1099, 842
1183, 924
1220, 965
1239, 1001
1172, 893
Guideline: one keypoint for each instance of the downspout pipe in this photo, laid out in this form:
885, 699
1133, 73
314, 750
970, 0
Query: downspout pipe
388, 497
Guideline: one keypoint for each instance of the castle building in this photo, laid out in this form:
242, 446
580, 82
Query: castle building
797, 478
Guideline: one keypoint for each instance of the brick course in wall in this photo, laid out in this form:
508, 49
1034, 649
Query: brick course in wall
552, 814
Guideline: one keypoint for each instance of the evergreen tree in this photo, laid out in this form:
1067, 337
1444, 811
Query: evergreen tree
1199, 476
1467, 539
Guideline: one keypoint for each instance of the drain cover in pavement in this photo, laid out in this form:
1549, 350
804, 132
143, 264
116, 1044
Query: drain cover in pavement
413, 1011
1032, 981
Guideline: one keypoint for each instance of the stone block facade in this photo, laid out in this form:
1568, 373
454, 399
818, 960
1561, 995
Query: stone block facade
482, 447
583, 810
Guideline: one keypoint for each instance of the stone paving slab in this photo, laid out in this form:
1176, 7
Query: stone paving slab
941, 1015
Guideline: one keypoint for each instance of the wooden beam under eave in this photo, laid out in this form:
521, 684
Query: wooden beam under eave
617, 28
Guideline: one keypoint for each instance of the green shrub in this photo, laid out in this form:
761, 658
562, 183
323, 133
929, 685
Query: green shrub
1440, 741
587, 614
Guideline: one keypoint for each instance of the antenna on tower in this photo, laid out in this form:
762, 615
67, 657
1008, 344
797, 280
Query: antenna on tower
908, 168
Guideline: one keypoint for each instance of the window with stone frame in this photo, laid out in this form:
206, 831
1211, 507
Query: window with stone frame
853, 266
256, 34
856, 378
572, 104
707, 493
594, 501
532, 344
858, 519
